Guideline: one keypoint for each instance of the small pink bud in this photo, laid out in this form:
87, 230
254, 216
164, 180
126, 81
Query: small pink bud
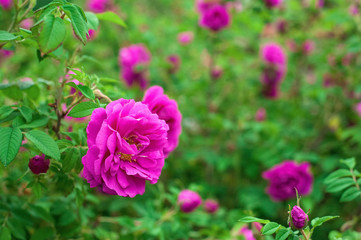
39, 164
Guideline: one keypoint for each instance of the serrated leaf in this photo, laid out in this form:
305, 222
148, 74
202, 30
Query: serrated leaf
283, 233
27, 113
83, 109
5, 111
270, 228
316, 222
86, 91
41, 213
339, 184
44, 143
93, 21
337, 174
250, 219
6, 36
38, 122
350, 194
111, 17
350, 162
52, 34
77, 21
43, 233
10, 143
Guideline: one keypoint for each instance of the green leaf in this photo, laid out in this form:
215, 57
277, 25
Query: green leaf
71, 156
52, 34
350, 162
339, 184
337, 174
270, 228
283, 233
5, 111
316, 222
38, 122
10, 143
111, 17
27, 113
5, 233
41, 213
350, 194
86, 91
6, 36
44, 143
78, 21
16, 228
93, 21
43, 233
83, 109
250, 219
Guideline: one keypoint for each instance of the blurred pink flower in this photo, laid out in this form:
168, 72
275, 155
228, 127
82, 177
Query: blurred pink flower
27, 23
174, 61
273, 3
258, 226
285, 177
189, 200
247, 233
39, 164
358, 108
215, 18
98, 6
126, 143
211, 205
134, 60
204, 5
261, 115
320, 3
353, 10
308, 47
167, 110
217, 72
92, 34
185, 38
6, 4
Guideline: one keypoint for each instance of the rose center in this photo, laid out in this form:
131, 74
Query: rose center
128, 157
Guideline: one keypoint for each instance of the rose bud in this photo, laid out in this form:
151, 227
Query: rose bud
39, 164
299, 219
211, 206
189, 200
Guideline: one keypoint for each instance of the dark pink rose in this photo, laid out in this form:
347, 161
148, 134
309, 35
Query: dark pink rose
39, 164
215, 18
299, 218
189, 200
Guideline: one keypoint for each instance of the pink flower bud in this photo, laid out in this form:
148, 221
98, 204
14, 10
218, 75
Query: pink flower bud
189, 200
299, 218
185, 38
211, 206
261, 115
39, 164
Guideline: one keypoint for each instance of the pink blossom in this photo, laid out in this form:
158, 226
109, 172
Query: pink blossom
247, 233
285, 177
320, 3
211, 206
217, 72
308, 47
353, 10
174, 61
261, 115
92, 34
126, 143
358, 108
98, 6
273, 53
5, 54
273, 3
134, 60
185, 38
167, 110
299, 219
215, 18
6, 4
204, 5
39, 164
27, 23
189, 200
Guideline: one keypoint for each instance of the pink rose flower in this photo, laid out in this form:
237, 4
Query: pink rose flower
211, 206
126, 143
353, 10
189, 200
6, 4
215, 18
273, 3
217, 72
167, 110
98, 6
39, 164
134, 60
299, 218
285, 177
175, 61
308, 47
185, 38
92, 34
247, 233
204, 5
358, 108
5, 54
27, 23
261, 115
